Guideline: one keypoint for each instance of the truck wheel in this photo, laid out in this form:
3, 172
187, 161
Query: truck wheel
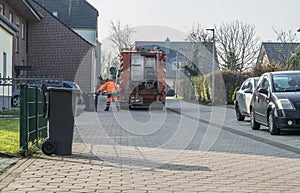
49, 147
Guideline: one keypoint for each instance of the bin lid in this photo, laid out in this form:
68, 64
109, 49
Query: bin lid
62, 89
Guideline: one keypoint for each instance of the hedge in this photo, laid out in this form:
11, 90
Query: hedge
198, 89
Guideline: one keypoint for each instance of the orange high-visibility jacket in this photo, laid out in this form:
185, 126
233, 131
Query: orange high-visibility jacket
109, 86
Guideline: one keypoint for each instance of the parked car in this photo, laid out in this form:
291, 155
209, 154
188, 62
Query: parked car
15, 101
276, 102
243, 98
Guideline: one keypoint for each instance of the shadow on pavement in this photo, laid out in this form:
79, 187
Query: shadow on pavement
126, 162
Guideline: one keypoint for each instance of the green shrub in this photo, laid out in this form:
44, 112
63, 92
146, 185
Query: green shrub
199, 88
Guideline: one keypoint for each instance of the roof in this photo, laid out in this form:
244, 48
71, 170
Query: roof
25, 8
279, 52
73, 13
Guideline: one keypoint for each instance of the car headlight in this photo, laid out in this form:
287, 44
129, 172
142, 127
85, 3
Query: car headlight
284, 104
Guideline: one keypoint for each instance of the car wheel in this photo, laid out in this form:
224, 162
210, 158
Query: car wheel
16, 101
272, 126
254, 125
238, 114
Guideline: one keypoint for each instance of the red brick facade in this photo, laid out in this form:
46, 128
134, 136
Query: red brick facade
20, 54
54, 50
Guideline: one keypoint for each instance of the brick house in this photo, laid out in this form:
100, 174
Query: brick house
14, 19
55, 50
275, 53
18, 14
81, 17
42, 45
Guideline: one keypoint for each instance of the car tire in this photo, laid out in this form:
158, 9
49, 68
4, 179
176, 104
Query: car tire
254, 125
274, 130
15, 101
238, 114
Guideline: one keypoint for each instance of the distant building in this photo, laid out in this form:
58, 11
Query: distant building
180, 55
275, 53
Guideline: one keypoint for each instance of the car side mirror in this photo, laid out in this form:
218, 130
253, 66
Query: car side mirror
263, 91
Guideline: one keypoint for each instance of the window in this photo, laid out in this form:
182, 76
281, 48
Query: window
23, 31
17, 21
265, 84
245, 86
55, 13
1, 9
17, 44
4, 64
11, 17
137, 67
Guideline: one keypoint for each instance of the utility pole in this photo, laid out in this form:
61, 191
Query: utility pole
213, 68
176, 78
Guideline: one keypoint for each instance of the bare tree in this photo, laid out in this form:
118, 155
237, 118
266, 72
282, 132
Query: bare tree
237, 46
197, 34
293, 62
108, 59
286, 37
121, 36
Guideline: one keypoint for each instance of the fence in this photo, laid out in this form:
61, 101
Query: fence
33, 120
28, 94
10, 89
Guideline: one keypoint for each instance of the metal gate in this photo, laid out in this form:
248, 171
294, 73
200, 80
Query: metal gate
33, 120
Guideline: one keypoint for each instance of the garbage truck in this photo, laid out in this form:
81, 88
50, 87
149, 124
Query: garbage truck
142, 79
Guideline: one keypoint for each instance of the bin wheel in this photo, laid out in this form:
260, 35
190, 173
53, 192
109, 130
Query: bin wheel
49, 147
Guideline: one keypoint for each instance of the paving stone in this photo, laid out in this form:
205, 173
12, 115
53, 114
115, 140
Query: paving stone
116, 161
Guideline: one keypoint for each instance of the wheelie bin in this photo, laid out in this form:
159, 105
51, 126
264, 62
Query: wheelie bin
61, 114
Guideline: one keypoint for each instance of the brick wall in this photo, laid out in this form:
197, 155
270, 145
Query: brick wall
55, 50
20, 57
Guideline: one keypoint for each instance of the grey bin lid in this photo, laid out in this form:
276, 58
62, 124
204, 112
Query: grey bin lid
61, 89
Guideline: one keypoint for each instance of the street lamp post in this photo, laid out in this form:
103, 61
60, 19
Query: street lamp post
176, 77
213, 68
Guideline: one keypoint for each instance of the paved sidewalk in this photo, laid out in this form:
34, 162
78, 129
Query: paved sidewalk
6, 162
105, 166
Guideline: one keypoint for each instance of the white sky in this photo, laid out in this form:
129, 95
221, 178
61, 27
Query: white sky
182, 14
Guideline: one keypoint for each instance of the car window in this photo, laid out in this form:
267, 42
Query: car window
286, 82
245, 85
255, 81
264, 84
250, 86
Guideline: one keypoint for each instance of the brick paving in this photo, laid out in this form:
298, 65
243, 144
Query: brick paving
117, 161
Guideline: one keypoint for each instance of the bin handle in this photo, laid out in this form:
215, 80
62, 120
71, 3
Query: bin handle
44, 90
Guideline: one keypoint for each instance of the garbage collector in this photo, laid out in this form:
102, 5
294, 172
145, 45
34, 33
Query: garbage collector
112, 93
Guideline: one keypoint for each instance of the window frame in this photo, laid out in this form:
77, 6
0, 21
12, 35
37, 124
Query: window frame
1, 9
17, 44
17, 21
11, 16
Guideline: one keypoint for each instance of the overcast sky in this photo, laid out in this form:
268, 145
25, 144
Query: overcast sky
182, 14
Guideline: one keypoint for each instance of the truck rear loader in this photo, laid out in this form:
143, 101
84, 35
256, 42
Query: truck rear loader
142, 79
